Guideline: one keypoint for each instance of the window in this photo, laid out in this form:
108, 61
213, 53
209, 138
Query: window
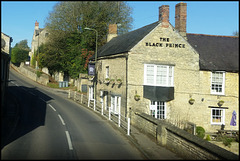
217, 116
158, 75
107, 72
217, 83
158, 109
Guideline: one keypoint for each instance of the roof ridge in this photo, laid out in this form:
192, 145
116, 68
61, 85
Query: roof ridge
212, 35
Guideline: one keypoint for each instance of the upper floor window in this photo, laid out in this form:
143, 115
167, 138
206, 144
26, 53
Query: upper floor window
158, 75
218, 83
107, 72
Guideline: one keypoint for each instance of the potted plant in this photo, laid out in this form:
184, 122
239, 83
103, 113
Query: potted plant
137, 97
191, 101
220, 103
90, 77
107, 80
119, 81
112, 80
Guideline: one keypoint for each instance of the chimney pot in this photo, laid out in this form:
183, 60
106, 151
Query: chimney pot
164, 15
112, 31
36, 23
181, 18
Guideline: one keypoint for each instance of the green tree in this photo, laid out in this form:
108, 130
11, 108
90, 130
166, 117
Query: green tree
68, 43
20, 52
23, 45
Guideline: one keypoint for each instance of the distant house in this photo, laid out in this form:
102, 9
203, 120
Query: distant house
39, 37
5, 60
170, 74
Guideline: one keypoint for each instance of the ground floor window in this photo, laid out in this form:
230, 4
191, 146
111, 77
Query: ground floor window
115, 104
217, 116
158, 109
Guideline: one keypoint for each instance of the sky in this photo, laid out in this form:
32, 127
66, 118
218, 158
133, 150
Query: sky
203, 17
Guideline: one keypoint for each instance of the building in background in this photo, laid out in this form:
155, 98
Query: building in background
39, 37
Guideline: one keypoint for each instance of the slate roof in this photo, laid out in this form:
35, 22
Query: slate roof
125, 42
216, 53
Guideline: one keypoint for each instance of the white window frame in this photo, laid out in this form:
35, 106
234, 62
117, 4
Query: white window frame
222, 83
155, 106
169, 82
107, 72
222, 116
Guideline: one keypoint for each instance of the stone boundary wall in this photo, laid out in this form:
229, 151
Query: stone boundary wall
31, 73
179, 141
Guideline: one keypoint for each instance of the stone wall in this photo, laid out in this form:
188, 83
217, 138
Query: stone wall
179, 141
31, 73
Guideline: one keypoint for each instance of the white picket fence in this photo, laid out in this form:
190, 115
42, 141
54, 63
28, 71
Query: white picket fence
97, 106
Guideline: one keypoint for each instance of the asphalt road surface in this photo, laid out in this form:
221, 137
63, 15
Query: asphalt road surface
53, 127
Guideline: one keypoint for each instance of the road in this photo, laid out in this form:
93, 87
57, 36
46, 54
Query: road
53, 127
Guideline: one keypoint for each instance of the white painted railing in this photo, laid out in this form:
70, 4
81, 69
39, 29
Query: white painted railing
97, 106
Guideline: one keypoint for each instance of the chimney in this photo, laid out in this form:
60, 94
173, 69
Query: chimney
181, 18
36, 25
164, 15
112, 32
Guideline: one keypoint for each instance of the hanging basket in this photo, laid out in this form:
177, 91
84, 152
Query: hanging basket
137, 97
220, 103
191, 101
107, 80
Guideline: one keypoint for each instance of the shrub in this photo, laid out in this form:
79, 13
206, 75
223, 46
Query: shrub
227, 141
200, 132
208, 138
39, 73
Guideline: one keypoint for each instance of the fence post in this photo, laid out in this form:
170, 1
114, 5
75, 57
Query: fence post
119, 117
128, 127
94, 106
81, 98
75, 95
109, 114
102, 108
69, 94
88, 101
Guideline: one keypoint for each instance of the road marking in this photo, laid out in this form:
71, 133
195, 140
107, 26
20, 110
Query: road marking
52, 107
69, 141
61, 119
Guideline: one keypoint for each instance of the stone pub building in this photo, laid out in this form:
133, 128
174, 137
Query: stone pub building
169, 74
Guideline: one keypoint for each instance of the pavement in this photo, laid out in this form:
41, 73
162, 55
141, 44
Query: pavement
147, 145
150, 148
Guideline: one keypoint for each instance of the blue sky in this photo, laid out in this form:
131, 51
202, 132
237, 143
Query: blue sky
203, 17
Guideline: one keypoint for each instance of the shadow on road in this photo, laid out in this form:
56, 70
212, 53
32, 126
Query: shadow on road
25, 110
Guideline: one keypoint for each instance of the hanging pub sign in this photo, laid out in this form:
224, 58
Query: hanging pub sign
91, 69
